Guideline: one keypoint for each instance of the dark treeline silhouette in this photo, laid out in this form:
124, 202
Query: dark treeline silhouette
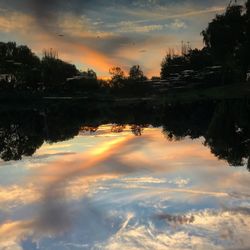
227, 46
133, 84
225, 125
22, 70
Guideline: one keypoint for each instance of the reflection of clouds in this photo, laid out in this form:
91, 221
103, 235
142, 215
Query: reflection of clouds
51, 185
13, 196
149, 180
12, 232
231, 226
116, 191
198, 230
144, 193
180, 182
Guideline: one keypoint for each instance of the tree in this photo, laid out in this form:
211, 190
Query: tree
20, 63
199, 59
55, 71
117, 76
92, 74
225, 36
136, 74
225, 33
172, 61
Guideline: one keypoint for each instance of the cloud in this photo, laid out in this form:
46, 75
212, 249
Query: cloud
130, 27
165, 14
177, 24
148, 180
180, 182
202, 230
14, 22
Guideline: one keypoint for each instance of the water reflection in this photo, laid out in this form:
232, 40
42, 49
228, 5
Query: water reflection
118, 186
124, 192
224, 125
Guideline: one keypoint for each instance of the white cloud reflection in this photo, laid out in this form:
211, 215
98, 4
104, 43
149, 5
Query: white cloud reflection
126, 192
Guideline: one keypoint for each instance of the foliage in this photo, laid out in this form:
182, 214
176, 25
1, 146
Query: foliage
91, 74
227, 37
194, 59
136, 73
55, 71
117, 76
19, 63
225, 33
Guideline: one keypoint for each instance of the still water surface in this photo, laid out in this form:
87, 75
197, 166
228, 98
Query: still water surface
109, 189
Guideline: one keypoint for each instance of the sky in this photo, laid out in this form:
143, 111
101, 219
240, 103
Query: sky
99, 34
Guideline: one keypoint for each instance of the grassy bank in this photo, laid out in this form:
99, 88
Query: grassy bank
233, 91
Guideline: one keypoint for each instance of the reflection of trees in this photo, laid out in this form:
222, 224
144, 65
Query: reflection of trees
181, 120
229, 130
117, 128
225, 125
138, 129
25, 129
89, 129
20, 135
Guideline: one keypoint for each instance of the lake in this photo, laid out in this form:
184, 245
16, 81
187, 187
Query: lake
125, 176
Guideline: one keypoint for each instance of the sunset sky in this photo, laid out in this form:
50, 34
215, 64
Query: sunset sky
100, 34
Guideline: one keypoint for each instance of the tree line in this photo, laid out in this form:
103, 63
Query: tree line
21, 69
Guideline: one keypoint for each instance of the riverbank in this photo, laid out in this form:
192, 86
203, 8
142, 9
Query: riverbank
185, 94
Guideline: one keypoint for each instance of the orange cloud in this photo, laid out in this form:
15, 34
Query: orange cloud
69, 48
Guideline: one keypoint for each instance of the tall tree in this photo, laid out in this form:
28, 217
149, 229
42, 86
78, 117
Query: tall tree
117, 76
54, 70
225, 34
136, 73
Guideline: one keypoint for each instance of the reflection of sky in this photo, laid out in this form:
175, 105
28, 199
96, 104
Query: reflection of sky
100, 191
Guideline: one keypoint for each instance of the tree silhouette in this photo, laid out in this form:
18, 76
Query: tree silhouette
199, 59
172, 64
228, 132
225, 36
55, 71
225, 33
136, 74
91, 74
117, 76
20, 64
